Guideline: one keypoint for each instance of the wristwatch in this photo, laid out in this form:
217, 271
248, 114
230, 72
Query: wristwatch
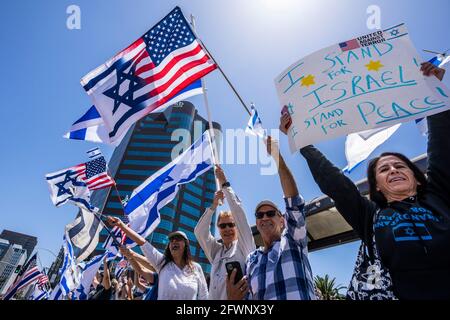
226, 184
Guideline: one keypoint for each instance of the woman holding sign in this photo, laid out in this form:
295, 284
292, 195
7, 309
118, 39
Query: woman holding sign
406, 222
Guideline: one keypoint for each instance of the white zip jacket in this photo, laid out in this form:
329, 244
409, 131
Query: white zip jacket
216, 252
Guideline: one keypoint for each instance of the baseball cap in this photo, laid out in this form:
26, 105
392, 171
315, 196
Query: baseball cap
178, 233
268, 203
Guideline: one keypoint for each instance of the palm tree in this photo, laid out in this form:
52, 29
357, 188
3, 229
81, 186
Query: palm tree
327, 288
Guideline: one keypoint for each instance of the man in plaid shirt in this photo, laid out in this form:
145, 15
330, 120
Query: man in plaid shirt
280, 270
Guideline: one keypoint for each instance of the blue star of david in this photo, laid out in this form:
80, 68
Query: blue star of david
135, 84
409, 231
62, 184
394, 32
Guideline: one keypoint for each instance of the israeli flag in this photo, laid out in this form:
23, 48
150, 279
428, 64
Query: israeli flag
422, 125
90, 126
440, 60
158, 190
121, 266
39, 293
56, 294
94, 153
67, 186
254, 126
70, 275
88, 272
360, 145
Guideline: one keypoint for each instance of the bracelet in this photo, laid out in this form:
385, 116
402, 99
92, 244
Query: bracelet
226, 184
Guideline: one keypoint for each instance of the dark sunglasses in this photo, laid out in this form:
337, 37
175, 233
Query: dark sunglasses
269, 214
224, 225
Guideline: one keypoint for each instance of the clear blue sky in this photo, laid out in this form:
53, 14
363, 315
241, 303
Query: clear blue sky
253, 41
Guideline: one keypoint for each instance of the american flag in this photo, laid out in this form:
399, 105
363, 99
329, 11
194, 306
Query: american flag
151, 71
42, 280
94, 174
121, 266
349, 45
27, 276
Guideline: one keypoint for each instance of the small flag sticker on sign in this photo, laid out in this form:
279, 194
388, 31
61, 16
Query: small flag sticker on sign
349, 45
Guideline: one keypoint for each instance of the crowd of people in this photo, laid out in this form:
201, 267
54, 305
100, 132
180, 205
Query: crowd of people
404, 226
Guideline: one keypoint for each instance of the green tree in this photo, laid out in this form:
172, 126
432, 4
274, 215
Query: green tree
327, 288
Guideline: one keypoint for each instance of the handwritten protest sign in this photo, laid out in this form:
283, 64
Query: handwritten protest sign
368, 82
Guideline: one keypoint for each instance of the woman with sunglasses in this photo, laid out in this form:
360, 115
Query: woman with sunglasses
235, 232
406, 221
180, 278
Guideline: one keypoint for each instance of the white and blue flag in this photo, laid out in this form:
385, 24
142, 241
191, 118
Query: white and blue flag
88, 272
158, 190
94, 153
56, 294
440, 60
422, 125
121, 266
90, 126
39, 293
67, 185
360, 145
254, 126
70, 275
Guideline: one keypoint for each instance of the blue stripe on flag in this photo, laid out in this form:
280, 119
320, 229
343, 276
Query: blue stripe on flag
91, 114
78, 134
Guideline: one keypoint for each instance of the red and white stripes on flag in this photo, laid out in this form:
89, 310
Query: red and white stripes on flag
147, 74
94, 174
42, 280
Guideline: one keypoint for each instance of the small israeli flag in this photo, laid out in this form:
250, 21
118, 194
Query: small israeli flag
254, 126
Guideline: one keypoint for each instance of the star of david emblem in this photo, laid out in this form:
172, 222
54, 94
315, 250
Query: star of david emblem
394, 32
135, 83
62, 190
409, 231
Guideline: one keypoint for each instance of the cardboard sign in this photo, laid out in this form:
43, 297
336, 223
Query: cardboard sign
368, 82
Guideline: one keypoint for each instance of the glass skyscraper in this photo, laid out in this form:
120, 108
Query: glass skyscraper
147, 148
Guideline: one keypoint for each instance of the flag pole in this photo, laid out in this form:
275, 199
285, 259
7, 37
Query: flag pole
218, 66
98, 216
208, 112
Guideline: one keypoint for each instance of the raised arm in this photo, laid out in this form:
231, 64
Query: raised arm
154, 257
137, 266
355, 208
246, 241
133, 235
106, 282
202, 230
142, 261
438, 142
286, 178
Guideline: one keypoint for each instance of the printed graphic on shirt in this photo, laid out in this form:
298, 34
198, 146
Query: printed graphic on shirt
411, 232
407, 226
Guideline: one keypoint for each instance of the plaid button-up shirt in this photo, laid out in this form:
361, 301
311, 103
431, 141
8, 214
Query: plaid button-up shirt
283, 272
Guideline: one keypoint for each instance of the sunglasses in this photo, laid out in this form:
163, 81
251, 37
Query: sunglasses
224, 225
269, 214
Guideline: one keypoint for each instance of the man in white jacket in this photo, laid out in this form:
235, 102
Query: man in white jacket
235, 232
